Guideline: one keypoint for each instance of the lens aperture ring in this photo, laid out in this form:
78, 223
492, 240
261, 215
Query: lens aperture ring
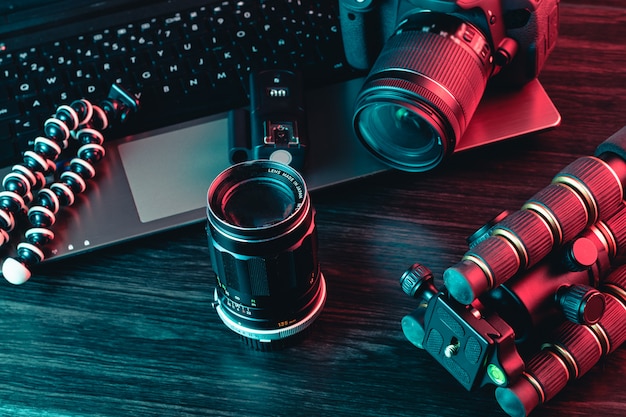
280, 332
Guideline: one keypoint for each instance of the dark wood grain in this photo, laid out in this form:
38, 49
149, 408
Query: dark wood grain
129, 331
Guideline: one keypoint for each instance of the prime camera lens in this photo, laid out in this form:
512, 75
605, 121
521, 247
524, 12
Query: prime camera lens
263, 243
423, 90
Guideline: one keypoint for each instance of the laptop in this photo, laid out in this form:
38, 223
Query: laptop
158, 168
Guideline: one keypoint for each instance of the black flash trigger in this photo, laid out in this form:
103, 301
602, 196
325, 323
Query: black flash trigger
277, 120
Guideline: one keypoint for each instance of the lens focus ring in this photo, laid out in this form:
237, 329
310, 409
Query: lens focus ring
458, 75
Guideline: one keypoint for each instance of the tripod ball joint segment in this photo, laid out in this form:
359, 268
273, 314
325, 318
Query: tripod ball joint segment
573, 350
540, 296
26, 193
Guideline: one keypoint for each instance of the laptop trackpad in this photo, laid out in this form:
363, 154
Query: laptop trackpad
169, 172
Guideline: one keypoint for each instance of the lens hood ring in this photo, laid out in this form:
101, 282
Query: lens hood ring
231, 207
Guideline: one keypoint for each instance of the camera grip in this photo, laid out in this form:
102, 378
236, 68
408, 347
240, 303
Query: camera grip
360, 31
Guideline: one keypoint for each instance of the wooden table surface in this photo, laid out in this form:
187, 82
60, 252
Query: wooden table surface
130, 331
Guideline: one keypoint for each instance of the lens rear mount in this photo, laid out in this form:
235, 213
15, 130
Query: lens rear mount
276, 337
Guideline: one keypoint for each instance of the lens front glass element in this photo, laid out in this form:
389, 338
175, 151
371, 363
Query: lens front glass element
399, 135
258, 202
257, 198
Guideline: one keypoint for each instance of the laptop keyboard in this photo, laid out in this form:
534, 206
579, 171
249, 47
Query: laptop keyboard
184, 65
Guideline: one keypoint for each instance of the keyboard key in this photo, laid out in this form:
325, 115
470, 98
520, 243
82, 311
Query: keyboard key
26, 130
9, 110
184, 65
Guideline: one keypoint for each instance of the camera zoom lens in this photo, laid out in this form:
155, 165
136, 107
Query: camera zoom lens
263, 242
423, 90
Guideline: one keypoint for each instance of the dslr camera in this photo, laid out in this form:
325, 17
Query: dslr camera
430, 62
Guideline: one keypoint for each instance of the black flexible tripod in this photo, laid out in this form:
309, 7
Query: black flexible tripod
27, 192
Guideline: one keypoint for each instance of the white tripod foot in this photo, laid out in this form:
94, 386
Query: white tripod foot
15, 272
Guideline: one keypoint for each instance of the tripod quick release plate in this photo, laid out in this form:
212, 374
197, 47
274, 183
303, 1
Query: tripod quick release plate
476, 350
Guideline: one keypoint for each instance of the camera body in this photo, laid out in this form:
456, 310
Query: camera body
531, 24
430, 61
